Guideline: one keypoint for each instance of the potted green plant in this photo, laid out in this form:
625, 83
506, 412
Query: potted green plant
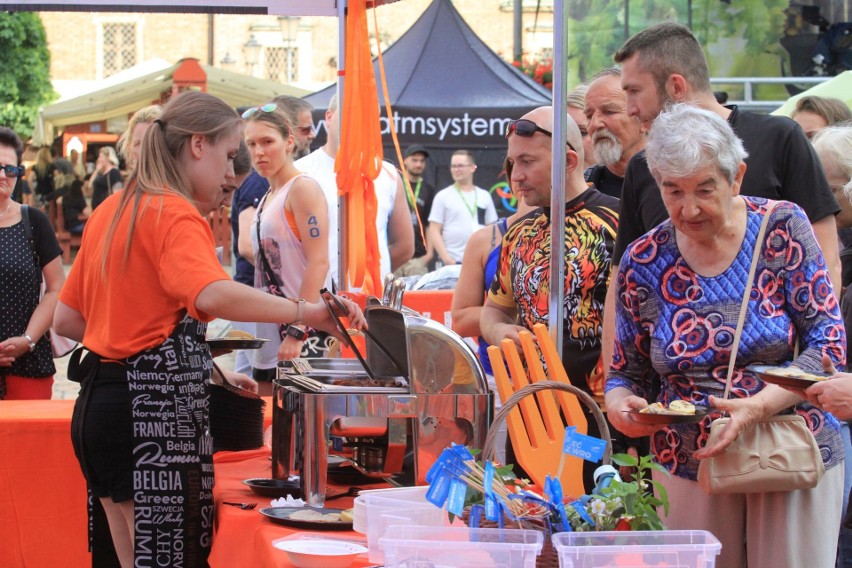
623, 505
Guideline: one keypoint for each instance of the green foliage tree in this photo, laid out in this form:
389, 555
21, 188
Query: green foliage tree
25, 81
745, 29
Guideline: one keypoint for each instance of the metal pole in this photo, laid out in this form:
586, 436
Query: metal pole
342, 248
518, 27
557, 191
689, 14
210, 39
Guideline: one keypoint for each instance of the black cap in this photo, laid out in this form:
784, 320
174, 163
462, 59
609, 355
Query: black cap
416, 149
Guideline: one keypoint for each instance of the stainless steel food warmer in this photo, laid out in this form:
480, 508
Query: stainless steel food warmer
419, 389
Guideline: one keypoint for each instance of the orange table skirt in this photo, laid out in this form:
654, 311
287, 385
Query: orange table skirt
43, 515
42, 492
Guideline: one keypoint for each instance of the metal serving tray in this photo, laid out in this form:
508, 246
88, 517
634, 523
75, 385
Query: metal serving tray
334, 384
319, 366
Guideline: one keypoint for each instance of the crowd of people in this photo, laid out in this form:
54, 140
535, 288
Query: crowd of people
665, 189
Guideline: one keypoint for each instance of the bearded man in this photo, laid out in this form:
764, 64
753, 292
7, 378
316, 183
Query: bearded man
616, 136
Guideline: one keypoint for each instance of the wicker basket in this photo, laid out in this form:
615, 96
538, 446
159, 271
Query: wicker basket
549, 557
488, 450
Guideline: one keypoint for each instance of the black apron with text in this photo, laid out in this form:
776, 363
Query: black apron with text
172, 450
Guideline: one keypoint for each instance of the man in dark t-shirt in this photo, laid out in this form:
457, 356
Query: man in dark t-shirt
419, 195
781, 162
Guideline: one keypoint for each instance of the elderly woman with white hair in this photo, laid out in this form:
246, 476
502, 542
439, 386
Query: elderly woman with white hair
680, 288
106, 179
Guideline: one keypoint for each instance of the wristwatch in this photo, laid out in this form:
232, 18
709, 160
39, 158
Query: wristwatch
30, 341
300, 310
297, 333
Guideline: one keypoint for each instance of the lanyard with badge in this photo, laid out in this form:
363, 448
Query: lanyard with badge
416, 193
413, 204
471, 207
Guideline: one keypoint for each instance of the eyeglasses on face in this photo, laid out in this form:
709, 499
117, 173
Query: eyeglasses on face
527, 129
13, 171
459, 166
268, 107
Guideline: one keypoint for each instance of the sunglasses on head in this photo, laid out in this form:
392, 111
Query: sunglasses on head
268, 107
13, 171
527, 128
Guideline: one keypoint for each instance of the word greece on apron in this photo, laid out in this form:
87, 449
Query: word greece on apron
172, 450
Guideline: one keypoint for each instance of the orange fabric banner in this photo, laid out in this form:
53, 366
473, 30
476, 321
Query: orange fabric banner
359, 157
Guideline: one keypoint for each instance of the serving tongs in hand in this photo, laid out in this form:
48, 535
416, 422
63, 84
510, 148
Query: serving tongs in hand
338, 310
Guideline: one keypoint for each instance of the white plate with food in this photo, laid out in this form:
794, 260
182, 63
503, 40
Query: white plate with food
793, 377
310, 517
677, 412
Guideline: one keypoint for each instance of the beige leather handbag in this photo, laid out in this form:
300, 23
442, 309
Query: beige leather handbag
775, 454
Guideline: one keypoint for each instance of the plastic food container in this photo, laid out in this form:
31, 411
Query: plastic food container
377, 510
460, 547
637, 549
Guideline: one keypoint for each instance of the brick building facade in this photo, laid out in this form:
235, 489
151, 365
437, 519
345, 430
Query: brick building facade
92, 46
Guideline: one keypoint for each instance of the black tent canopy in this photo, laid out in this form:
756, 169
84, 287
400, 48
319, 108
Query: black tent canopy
448, 91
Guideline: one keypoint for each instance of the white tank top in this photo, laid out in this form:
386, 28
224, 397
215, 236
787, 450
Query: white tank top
280, 244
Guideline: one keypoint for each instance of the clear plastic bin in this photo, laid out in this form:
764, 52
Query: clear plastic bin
637, 549
376, 510
461, 547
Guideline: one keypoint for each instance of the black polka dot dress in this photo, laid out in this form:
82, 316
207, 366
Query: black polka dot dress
20, 281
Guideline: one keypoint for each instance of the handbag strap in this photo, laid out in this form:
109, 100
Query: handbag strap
758, 247
28, 229
28, 232
271, 275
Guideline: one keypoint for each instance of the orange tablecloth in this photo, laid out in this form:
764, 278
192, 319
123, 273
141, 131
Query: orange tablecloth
43, 520
42, 492
244, 537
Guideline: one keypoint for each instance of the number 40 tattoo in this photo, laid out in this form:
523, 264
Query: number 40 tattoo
313, 231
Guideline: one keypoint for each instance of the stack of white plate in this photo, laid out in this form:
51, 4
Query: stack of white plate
359, 515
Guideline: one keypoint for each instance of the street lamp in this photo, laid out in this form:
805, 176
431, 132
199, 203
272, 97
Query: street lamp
251, 50
227, 63
289, 30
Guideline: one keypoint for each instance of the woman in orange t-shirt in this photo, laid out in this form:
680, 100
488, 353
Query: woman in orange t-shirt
145, 279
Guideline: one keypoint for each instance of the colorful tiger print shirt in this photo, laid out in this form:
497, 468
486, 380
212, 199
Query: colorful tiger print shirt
523, 279
675, 328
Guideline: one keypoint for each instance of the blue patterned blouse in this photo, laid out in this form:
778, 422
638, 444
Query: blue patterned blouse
675, 328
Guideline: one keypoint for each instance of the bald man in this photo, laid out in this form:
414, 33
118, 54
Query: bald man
521, 289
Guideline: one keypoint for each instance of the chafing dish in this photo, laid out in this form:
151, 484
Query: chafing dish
419, 389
